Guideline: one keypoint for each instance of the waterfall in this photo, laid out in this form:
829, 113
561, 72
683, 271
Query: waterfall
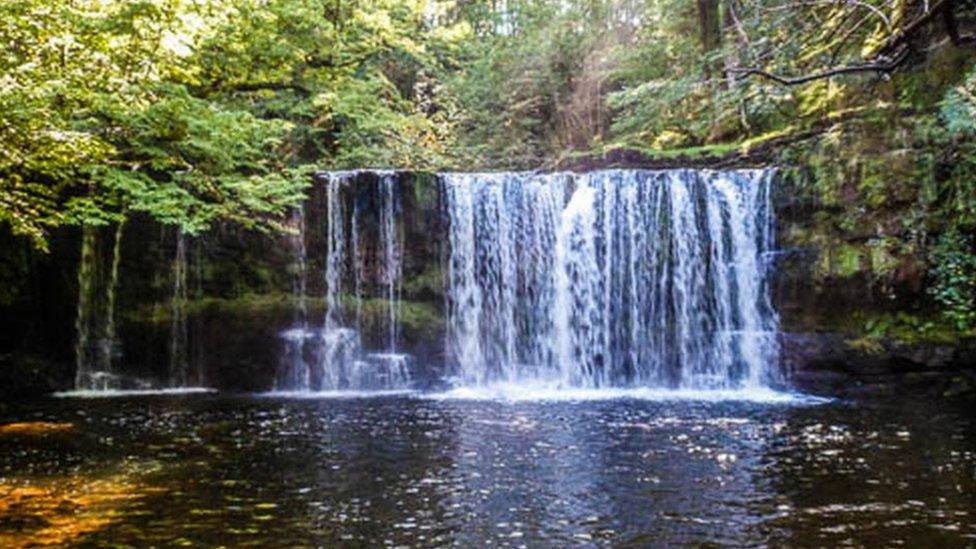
297, 372
179, 363
96, 342
86, 371
501, 250
108, 343
334, 357
391, 254
612, 278
618, 278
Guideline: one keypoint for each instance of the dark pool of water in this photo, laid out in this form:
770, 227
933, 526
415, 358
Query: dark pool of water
219, 470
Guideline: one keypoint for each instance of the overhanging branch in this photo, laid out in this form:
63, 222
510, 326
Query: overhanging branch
880, 67
899, 41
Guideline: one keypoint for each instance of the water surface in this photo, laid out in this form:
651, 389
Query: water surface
210, 469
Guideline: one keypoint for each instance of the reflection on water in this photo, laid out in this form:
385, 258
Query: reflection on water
35, 428
63, 509
403, 470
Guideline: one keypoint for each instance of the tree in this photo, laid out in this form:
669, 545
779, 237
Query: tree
199, 110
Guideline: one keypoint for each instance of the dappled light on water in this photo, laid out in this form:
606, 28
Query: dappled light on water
507, 468
62, 510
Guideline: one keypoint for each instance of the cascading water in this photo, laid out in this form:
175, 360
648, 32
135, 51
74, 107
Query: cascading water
392, 269
88, 375
333, 358
179, 361
621, 278
611, 279
96, 343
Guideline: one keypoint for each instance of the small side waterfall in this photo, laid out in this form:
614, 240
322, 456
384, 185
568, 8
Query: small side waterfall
179, 359
96, 343
392, 269
614, 278
296, 367
109, 342
87, 373
334, 357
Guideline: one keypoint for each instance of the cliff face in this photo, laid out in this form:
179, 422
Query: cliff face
853, 292
848, 298
220, 300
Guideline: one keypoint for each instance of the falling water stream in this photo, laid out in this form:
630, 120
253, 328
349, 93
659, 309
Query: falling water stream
297, 372
612, 279
609, 279
392, 269
95, 344
108, 343
333, 358
86, 372
179, 360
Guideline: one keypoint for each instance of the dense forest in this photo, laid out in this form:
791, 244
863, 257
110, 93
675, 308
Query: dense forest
204, 111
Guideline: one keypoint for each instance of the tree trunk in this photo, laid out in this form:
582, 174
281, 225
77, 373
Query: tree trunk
709, 29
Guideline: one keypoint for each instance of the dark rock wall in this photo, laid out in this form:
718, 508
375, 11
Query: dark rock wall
240, 289
855, 315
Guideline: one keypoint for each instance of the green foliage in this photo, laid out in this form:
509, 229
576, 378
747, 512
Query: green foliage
377, 127
959, 107
874, 331
958, 138
189, 162
532, 82
205, 110
953, 270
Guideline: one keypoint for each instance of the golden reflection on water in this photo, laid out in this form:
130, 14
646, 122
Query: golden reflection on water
35, 428
55, 511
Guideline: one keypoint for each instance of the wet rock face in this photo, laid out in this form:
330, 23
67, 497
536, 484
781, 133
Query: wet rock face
829, 363
831, 279
822, 269
238, 295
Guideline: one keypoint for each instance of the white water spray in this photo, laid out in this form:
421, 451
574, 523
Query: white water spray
638, 279
332, 358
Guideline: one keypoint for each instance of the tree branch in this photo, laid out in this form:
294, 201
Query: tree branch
895, 41
849, 69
